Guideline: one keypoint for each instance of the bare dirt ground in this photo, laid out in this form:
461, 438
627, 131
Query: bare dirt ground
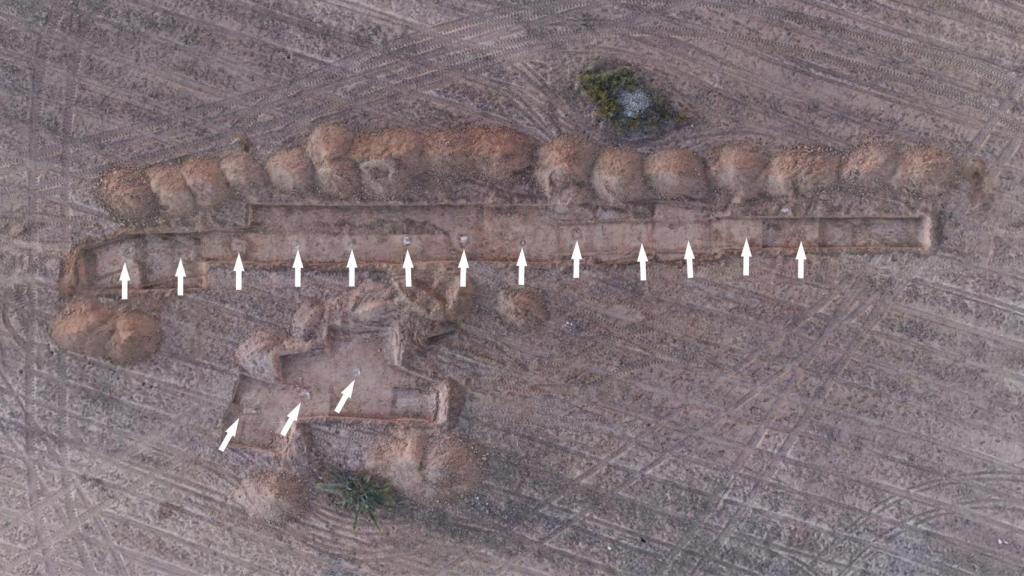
865, 420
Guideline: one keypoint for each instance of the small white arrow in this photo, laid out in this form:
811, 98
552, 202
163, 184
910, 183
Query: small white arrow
238, 272
800, 257
124, 281
576, 257
292, 417
228, 435
642, 259
180, 275
521, 264
746, 258
463, 266
407, 266
345, 395
689, 260
351, 269
297, 265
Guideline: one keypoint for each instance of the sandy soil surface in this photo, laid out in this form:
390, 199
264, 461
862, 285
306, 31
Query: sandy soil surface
864, 420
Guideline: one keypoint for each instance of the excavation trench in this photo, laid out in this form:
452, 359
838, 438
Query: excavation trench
379, 236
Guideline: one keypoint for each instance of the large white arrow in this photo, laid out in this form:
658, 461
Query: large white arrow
688, 256
642, 259
463, 266
746, 258
297, 265
228, 435
800, 257
576, 257
345, 395
180, 275
351, 269
407, 266
124, 281
521, 264
238, 272
292, 417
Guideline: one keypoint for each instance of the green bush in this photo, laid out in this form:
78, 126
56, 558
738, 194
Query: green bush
361, 493
605, 86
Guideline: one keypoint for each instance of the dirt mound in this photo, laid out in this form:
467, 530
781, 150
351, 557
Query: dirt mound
339, 178
172, 192
400, 144
739, 170
337, 175
495, 154
563, 169
369, 301
244, 174
95, 329
136, 337
801, 171
388, 160
291, 172
870, 165
273, 496
126, 194
424, 465
521, 307
926, 171
618, 176
328, 142
206, 181
256, 355
309, 321
979, 182
435, 294
85, 326
677, 174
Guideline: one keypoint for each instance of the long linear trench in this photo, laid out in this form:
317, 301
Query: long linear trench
379, 235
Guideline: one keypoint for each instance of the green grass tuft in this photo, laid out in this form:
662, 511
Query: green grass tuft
360, 493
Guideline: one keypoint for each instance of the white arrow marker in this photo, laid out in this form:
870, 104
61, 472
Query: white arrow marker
407, 266
180, 275
124, 281
351, 269
746, 258
463, 266
576, 257
689, 260
521, 264
297, 265
800, 257
292, 417
642, 259
228, 435
345, 395
238, 272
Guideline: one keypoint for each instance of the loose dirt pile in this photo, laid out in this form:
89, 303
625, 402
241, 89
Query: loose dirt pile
676, 174
425, 465
94, 329
126, 194
563, 169
522, 307
389, 165
273, 496
618, 177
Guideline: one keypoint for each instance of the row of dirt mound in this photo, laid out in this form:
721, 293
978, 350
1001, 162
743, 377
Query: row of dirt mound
122, 336
334, 164
424, 465
338, 165
570, 170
